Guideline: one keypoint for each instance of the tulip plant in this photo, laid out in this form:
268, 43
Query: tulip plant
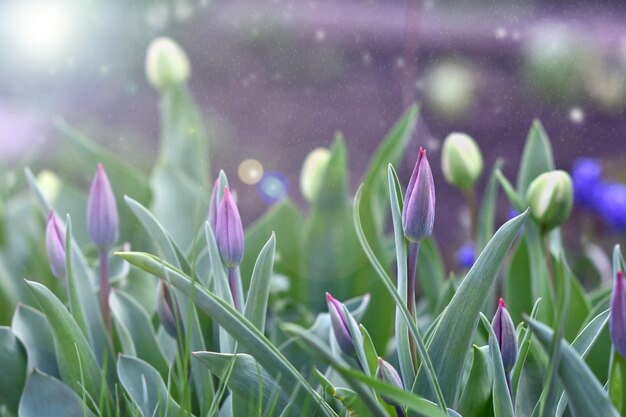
146, 297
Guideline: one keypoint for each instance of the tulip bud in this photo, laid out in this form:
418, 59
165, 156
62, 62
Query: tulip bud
504, 329
229, 231
339, 320
102, 220
312, 173
550, 197
55, 246
388, 374
166, 63
461, 160
617, 318
418, 213
167, 310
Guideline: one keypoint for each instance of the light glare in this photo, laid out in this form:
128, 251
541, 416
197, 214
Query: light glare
41, 28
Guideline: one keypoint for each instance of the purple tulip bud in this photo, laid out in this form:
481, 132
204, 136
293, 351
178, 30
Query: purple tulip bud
466, 256
55, 246
617, 318
339, 321
102, 220
418, 213
587, 177
388, 374
167, 310
229, 231
504, 329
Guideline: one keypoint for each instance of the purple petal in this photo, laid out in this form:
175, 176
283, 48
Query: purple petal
229, 231
102, 219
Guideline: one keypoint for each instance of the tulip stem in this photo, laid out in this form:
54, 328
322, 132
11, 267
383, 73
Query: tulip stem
233, 279
105, 289
414, 248
470, 197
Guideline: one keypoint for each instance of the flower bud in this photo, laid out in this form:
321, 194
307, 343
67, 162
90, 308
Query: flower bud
102, 220
418, 213
504, 329
617, 318
461, 160
55, 246
167, 310
216, 196
229, 231
312, 173
388, 374
166, 63
550, 197
339, 320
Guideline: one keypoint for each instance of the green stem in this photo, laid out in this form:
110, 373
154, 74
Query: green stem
472, 203
105, 290
414, 248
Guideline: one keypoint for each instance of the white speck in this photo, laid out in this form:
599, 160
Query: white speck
400, 63
433, 144
576, 115
366, 59
501, 33
320, 35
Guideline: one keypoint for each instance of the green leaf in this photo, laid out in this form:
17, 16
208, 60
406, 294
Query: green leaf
77, 365
407, 367
246, 334
430, 272
475, 399
487, 215
129, 314
73, 290
586, 395
502, 402
243, 375
145, 386
285, 220
452, 339
33, 330
583, 344
517, 288
45, 396
514, 198
536, 159
12, 368
258, 295
389, 285
524, 347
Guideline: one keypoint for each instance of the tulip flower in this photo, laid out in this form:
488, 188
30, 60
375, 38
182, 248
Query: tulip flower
102, 220
550, 197
418, 213
504, 329
229, 231
166, 64
617, 318
55, 246
167, 310
339, 320
388, 374
461, 160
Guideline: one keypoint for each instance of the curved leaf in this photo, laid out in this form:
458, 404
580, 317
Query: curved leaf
45, 396
33, 330
12, 368
250, 338
258, 295
586, 396
145, 386
453, 337
536, 159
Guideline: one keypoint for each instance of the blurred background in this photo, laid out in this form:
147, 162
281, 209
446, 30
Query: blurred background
275, 79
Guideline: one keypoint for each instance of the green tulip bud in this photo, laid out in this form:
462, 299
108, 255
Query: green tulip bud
461, 160
313, 172
166, 63
550, 197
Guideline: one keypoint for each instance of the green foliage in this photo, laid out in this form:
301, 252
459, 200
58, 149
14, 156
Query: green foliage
275, 353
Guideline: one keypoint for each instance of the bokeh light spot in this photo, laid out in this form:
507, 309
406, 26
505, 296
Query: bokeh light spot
273, 187
250, 171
